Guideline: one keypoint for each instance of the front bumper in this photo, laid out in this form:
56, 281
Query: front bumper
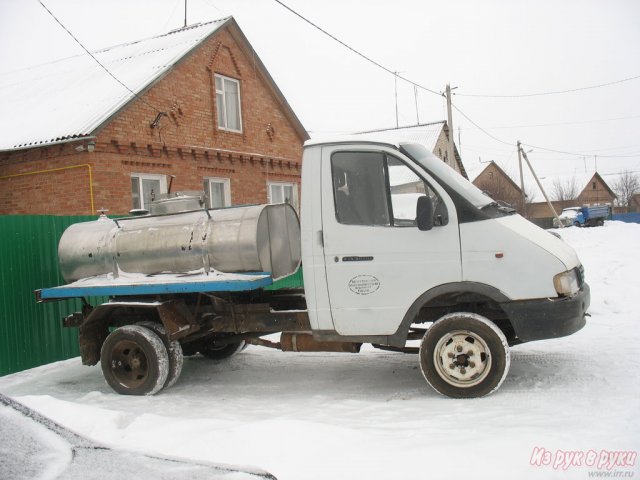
548, 317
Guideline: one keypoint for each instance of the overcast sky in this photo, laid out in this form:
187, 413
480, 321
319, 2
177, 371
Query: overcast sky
484, 47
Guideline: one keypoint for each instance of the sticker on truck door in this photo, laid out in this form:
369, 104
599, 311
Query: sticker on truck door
364, 284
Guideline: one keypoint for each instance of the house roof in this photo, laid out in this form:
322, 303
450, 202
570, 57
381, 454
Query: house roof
582, 180
426, 134
501, 171
73, 97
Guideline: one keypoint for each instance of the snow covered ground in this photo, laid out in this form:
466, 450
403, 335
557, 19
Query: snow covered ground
372, 416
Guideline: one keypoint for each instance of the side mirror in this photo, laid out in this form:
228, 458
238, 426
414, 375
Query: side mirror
424, 213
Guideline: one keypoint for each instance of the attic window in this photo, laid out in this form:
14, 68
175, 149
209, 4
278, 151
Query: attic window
228, 103
593, 185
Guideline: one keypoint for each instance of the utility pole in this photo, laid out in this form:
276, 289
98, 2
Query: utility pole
415, 96
185, 13
555, 214
524, 199
451, 155
395, 79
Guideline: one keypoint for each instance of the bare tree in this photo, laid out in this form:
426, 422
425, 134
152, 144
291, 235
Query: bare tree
562, 190
625, 187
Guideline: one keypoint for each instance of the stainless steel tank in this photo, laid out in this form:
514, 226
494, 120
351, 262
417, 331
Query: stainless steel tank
260, 238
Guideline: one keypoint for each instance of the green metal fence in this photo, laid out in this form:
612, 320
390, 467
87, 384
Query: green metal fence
31, 334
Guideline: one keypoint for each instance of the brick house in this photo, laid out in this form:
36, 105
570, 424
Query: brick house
499, 186
591, 189
206, 114
434, 136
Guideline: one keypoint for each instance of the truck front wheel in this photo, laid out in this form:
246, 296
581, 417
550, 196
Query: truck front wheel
464, 355
134, 361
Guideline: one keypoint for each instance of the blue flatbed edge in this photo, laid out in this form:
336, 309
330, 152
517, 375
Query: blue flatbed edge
251, 282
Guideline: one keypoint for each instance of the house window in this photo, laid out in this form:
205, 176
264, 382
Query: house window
593, 185
283, 193
218, 192
228, 103
145, 188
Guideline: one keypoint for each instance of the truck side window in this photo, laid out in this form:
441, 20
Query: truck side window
406, 187
359, 188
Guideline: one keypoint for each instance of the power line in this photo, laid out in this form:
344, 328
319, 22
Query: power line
556, 92
368, 59
480, 128
537, 147
135, 95
577, 154
577, 122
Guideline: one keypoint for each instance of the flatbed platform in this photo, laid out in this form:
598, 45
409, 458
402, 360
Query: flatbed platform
127, 285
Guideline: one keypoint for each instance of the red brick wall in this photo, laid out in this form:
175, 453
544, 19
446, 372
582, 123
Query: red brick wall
28, 186
187, 142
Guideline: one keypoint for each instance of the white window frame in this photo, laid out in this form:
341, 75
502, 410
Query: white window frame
294, 186
224, 103
149, 176
226, 182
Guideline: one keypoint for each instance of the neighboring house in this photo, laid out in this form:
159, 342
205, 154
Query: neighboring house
591, 190
585, 189
434, 136
499, 186
206, 114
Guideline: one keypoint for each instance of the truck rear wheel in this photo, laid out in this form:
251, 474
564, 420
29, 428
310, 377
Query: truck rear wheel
176, 358
464, 355
134, 361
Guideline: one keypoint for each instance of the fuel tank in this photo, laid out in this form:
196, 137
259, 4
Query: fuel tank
180, 236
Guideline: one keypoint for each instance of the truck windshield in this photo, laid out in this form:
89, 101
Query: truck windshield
447, 174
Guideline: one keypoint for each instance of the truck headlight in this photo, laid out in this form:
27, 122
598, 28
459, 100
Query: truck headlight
566, 283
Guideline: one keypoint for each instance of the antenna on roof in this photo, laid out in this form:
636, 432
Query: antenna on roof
185, 13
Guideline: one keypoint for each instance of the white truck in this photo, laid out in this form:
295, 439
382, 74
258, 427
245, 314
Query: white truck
396, 247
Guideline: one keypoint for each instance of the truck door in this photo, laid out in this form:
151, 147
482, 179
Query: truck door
377, 261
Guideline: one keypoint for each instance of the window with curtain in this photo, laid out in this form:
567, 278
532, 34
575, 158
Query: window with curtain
228, 103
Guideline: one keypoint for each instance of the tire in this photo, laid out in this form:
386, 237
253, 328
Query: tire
221, 351
174, 350
576, 224
458, 340
134, 361
600, 222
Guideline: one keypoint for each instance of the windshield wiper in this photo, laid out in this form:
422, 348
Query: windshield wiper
501, 207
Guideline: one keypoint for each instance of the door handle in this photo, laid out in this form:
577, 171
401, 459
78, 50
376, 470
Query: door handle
357, 259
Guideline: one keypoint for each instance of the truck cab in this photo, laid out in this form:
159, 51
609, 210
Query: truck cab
373, 267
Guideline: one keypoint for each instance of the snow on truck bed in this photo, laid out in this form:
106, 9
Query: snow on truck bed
141, 284
372, 415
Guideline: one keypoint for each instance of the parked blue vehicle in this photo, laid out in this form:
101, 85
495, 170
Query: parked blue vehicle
584, 216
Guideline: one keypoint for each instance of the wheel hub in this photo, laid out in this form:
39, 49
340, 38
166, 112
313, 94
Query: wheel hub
462, 358
129, 364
